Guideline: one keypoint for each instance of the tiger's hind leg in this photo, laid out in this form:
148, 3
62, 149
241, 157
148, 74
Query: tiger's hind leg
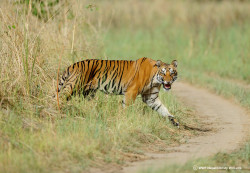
68, 91
70, 87
90, 94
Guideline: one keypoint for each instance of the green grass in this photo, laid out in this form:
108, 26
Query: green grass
91, 133
215, 59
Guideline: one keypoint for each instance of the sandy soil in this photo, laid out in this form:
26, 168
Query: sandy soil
231, 121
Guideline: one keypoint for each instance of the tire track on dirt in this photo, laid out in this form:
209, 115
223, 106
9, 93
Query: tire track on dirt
231, 121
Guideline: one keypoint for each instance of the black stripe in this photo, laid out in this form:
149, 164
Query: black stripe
68, 71
82, 72
121, 78
100, 69
106, 73
143, 60
153, 107
88, 61
90, 73
152, 81
96, 70
158, 108
113, 78
104, 78
74, 65
154, 98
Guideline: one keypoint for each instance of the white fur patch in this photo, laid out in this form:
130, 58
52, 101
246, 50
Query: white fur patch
171, 70
164, 70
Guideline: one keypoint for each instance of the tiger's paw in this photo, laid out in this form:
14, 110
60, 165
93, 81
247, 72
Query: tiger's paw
174, 122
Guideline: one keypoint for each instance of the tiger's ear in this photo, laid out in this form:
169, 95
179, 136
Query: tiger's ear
158, 63
174, 63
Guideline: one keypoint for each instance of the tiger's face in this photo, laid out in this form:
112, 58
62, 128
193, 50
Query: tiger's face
167, 74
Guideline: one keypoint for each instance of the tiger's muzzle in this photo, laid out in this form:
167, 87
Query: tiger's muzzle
166, 85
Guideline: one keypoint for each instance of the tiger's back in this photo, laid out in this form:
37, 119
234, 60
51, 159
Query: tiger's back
109, 76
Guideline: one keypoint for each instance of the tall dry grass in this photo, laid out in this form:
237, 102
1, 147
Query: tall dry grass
30, 47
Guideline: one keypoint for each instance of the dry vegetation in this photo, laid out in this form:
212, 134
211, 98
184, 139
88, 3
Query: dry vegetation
34, 135
31, 47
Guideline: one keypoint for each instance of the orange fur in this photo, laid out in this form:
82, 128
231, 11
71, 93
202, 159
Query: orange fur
129, 78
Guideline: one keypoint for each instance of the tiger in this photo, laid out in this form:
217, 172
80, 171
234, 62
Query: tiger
143, 77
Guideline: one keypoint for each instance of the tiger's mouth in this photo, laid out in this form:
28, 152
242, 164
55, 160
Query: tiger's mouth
167, 86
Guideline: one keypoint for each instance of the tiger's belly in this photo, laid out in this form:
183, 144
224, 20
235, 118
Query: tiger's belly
108, 88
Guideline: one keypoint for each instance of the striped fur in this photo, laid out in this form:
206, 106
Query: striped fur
129, 78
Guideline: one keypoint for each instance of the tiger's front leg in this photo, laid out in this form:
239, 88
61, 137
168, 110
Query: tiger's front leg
155, 103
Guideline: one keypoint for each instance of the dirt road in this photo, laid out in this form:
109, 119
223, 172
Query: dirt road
231, 121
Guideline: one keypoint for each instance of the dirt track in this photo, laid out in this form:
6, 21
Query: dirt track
231, 121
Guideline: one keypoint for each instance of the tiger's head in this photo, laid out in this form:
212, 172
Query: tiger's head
166, 74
